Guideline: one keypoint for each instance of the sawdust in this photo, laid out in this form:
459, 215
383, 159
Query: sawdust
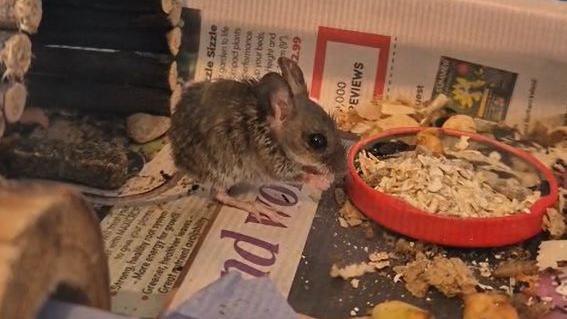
514, 268
350, 216
450, 276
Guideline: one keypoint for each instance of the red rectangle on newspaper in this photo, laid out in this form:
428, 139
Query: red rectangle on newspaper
350, 39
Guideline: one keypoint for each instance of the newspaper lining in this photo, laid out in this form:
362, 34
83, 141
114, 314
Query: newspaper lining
347, 61
148, 245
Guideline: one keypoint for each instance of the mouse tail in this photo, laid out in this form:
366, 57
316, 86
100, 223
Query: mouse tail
103, 198
115, 197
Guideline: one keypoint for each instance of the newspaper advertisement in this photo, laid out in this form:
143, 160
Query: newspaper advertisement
350, 62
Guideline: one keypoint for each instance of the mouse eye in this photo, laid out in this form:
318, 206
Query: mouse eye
317, 141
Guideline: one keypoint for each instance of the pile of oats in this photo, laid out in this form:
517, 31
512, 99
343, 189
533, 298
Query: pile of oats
446, 186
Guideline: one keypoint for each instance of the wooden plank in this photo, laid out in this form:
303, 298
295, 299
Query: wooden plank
116, 67
62, 17
124, 40
119, 5
54, 92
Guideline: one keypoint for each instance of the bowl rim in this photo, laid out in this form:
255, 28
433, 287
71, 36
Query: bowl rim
537, 208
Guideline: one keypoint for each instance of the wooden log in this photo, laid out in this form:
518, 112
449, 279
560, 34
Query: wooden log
122, 5
174, 40
95, 164
22, 15
50, 246
174, 15
15, 54
2, 126
13, 96
52, 92
58, 18
122, 40
109, 67
189, 49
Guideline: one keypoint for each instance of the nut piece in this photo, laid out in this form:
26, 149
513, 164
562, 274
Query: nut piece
488, 306
398, 310
461, 122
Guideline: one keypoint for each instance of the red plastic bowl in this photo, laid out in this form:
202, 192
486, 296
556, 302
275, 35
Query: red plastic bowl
399, 216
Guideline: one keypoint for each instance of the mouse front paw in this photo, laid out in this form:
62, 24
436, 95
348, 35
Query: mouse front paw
320, 182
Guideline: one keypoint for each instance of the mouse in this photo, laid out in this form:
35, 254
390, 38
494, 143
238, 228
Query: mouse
228, 132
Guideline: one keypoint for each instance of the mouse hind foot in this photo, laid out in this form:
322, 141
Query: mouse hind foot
257, 209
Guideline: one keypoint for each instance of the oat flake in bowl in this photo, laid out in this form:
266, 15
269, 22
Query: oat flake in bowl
478, 193
446, 186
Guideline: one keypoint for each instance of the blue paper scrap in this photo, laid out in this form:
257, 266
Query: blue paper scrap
230, 297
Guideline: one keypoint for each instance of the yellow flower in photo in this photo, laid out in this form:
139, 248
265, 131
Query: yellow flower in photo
467, 92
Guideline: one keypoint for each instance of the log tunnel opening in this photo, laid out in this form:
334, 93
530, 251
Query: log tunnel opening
67, 293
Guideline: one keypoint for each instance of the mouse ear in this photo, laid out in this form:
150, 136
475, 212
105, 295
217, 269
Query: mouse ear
275, 89
293, 76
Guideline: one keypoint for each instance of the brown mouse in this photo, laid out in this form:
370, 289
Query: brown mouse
227, 132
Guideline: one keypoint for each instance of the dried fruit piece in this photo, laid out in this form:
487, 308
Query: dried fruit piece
429, 139
398, 310
461, 122
488, 306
